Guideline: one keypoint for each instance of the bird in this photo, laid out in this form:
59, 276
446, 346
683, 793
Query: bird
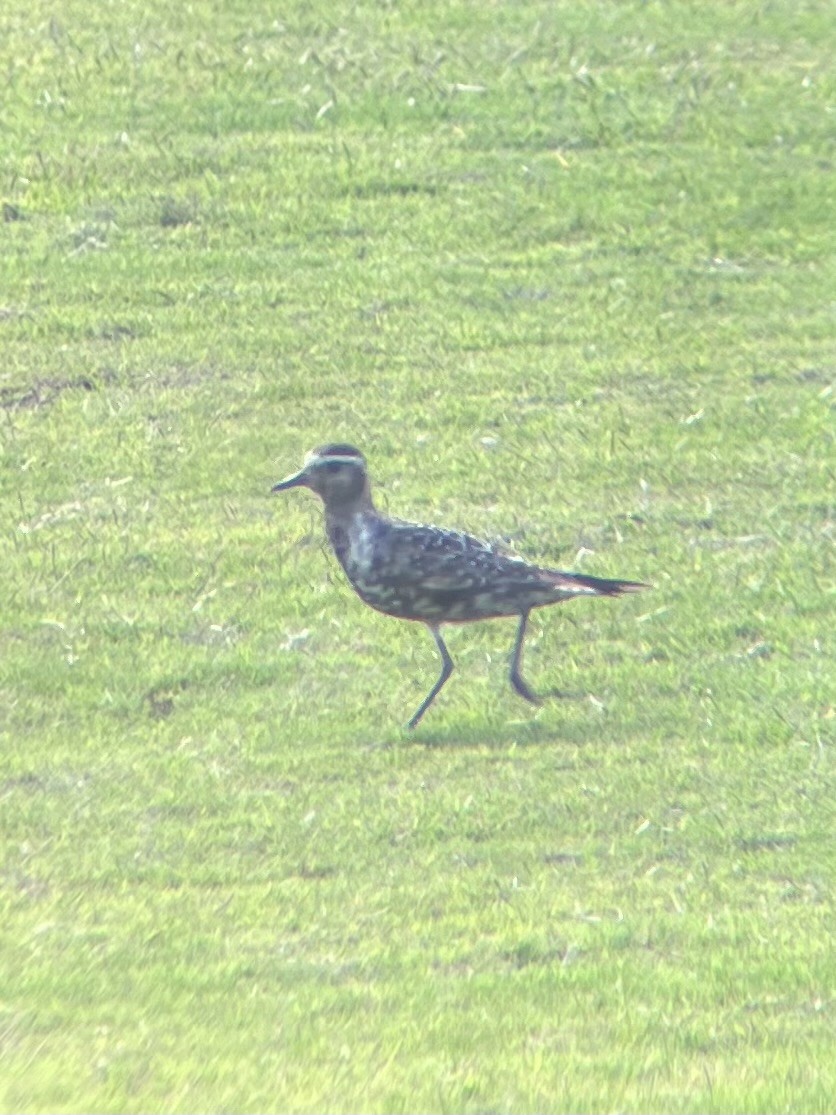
426, 573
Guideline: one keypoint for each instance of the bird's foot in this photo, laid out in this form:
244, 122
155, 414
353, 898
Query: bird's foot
524, 690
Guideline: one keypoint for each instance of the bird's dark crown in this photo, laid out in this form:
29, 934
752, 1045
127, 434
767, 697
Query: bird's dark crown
337, 449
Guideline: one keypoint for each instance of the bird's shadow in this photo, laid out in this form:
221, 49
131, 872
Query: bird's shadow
516, 731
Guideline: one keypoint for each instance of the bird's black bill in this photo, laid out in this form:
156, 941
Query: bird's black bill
295, 481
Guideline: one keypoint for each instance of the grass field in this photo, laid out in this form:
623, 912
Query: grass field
566, 273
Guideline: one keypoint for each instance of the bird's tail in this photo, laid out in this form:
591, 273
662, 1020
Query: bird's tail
591, 586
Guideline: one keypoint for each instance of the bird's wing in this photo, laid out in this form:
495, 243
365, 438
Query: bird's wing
447, 561
451, 563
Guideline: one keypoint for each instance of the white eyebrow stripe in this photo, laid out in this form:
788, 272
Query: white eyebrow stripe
336, 457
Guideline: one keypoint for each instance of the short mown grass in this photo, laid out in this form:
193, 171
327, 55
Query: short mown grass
565, 273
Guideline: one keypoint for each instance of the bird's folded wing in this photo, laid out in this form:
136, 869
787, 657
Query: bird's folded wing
449, 562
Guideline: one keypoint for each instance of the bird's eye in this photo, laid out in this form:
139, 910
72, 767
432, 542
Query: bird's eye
333, 466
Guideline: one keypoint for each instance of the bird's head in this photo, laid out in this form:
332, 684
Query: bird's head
337, 473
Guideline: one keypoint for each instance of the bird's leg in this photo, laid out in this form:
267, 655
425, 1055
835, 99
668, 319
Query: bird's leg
516, 659
446, 670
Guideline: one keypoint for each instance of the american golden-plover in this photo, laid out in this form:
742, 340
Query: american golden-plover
425, 573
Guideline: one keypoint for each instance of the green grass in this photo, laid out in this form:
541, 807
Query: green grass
565, 272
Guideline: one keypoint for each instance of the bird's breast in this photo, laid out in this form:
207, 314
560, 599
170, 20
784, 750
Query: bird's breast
353, 542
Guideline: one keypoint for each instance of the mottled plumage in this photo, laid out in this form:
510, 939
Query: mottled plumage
424, 573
